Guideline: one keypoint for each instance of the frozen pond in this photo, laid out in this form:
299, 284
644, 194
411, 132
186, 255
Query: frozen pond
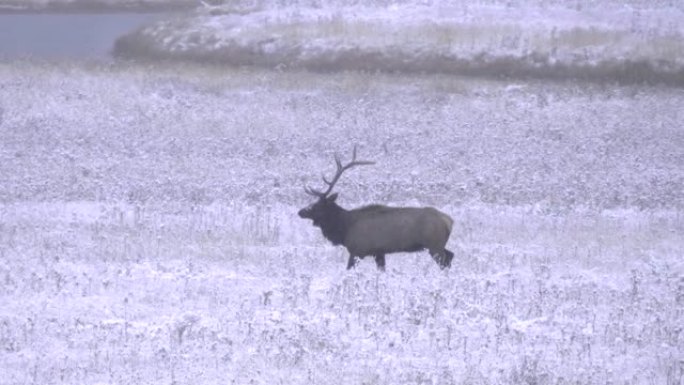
70, 36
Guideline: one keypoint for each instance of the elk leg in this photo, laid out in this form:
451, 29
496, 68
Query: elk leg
442, 258
449, 257
380, 261
436, 256
353, 260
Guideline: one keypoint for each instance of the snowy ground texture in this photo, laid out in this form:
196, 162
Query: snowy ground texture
625, 41
148, 229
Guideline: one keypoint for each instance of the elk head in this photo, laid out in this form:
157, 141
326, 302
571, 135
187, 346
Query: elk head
325, 207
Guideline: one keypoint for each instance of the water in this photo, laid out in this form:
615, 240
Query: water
72, 36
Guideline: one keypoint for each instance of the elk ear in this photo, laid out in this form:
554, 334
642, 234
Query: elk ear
332, 197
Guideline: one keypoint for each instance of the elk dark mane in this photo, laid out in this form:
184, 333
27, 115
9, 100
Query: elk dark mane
333, 225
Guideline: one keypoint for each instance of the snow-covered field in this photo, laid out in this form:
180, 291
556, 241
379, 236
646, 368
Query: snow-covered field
148, 229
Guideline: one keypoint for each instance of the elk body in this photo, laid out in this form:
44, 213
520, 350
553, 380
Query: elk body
377, 230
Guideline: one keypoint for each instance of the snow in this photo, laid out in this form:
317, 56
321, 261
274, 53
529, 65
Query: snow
148, 228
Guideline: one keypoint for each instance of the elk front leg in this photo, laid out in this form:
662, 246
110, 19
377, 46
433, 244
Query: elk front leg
380, 261
353, 260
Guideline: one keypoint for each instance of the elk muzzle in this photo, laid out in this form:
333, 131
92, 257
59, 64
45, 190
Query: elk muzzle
305, 213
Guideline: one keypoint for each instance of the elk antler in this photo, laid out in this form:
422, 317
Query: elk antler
338, 174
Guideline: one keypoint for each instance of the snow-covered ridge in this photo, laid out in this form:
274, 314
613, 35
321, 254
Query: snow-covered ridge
24, 6
600, 42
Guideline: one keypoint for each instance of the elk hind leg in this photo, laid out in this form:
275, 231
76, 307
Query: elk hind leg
449, 257
380, 261
443, 257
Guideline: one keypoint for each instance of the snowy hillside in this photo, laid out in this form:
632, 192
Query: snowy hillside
30, 6
608, 41
148, 229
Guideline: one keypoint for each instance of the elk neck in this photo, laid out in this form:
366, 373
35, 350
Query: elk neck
334, 224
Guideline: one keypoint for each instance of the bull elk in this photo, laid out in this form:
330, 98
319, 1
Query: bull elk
377, 230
